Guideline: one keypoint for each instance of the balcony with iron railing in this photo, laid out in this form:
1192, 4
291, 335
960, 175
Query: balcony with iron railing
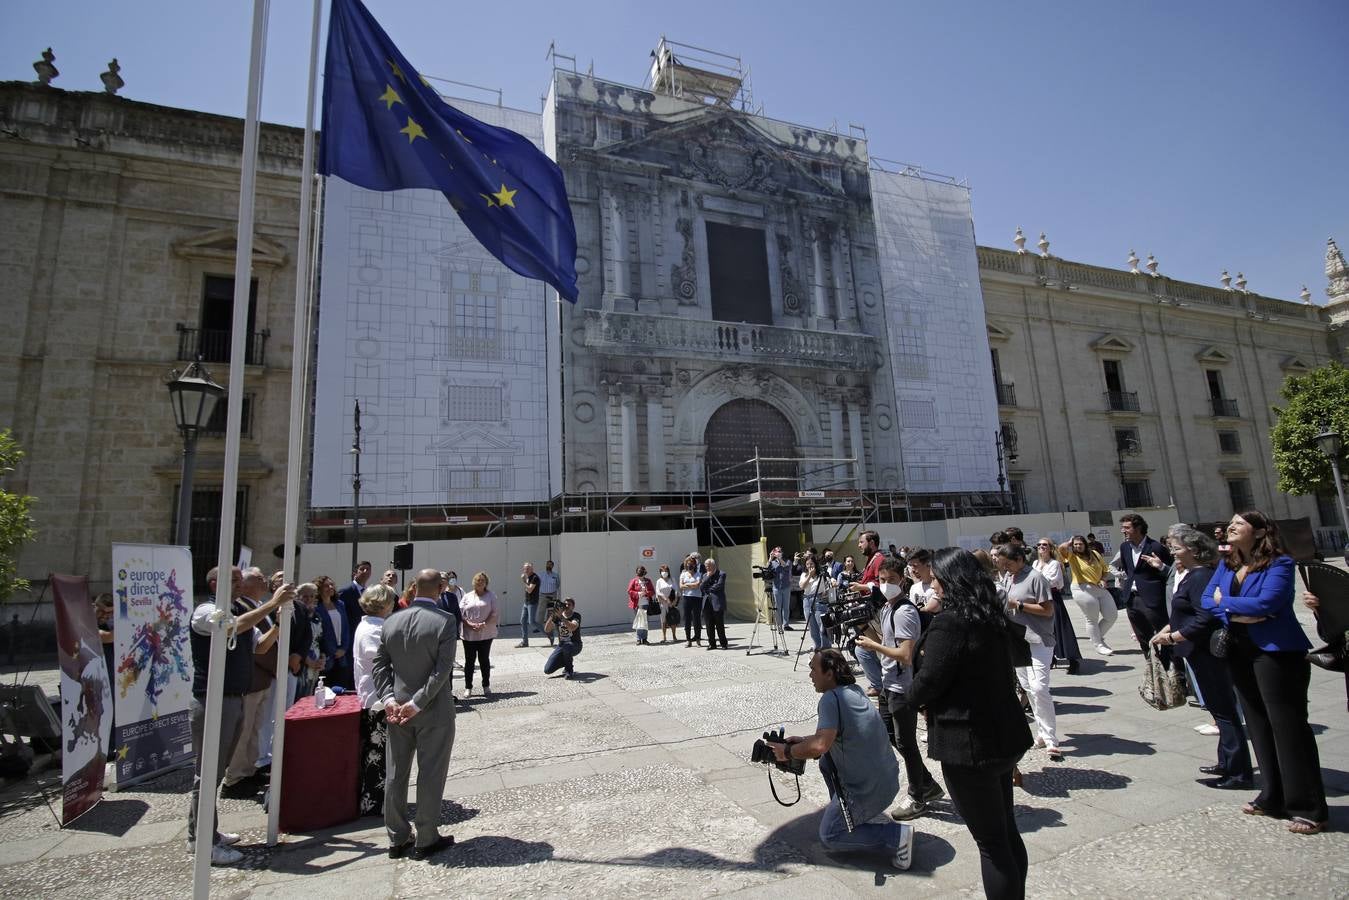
1224, 407
1121, 401
638, 334
213, 345
1006, 394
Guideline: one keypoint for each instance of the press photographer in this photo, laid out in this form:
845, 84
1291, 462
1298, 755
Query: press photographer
565, 622
857, 764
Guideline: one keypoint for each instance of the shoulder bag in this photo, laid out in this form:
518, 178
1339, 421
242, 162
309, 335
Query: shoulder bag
1162, 688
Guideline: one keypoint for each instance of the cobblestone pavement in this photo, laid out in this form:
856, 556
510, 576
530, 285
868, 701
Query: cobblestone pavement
633, 779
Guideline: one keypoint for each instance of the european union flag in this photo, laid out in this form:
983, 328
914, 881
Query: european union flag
385, 128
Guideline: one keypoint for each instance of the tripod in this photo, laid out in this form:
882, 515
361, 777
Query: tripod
769, 610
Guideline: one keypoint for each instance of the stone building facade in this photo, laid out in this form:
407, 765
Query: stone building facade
117, 265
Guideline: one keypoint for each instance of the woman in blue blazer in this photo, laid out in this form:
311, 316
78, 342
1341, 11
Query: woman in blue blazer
336, 640
1188, 634
1252, 593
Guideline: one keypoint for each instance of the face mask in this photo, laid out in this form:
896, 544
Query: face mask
454, 582
890, 590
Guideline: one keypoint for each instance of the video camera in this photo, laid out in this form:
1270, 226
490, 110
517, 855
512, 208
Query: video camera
554, 606
762, 572
763, 752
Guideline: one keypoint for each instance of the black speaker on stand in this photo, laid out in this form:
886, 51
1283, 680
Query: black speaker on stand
402, 561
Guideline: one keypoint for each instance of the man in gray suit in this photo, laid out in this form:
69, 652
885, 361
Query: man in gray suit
412, 672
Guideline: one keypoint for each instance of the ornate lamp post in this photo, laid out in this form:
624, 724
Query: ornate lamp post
194, 396
1125, 446
1005, 445
356, 487
1331, 444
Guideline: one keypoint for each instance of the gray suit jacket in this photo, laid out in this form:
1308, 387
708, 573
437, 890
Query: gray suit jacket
415, 661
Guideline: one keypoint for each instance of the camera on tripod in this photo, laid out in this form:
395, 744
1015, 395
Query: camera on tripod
763, 752
850, 614
762, 572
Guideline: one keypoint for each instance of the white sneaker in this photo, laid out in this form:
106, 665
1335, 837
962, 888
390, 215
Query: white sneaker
468, 692
1207, 728
225, 856
228, 839
904, 855
1104, 649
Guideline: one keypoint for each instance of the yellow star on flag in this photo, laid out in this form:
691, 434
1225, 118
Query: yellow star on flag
505, 197
123, 750
390, 97
413, 130
397, 71
491, 201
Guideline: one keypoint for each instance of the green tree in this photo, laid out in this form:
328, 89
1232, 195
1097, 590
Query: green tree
1315, 400
16, 519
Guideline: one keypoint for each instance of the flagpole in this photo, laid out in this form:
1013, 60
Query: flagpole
243, 260
294, 455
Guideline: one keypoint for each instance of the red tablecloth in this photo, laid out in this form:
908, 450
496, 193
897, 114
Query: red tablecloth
320, 781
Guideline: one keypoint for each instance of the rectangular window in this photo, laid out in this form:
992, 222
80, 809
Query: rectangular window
1229, 442
1127, 441
203, 534
1328, 510
1215, 384
1114, 376
910, 356
919, 414
1137, 494
215, 426
737, 263
473, 403
1239, 492
217, 320
1018, 496
1008, 440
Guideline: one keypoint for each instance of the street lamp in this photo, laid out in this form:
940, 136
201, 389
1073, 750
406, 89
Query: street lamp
1331, 444
1125, 445
1004, 443
194, 396
356, 486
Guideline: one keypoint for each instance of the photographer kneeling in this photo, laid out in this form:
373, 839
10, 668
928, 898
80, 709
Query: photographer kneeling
564, 621
857, 763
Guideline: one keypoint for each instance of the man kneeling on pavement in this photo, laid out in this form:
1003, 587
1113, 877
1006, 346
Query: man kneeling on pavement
857, 763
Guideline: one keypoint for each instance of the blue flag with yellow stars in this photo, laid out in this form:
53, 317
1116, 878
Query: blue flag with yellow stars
385, 129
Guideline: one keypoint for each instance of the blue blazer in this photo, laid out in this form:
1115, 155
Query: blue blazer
714, 591
329, 638
1269, 593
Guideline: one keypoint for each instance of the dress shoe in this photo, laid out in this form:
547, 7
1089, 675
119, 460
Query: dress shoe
401, 850
1229, 783
1212, 770
1073, 666
431, 849
240, 790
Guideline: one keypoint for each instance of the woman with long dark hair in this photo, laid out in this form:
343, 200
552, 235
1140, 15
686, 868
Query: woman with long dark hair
964, 678
1252, 592
817, 589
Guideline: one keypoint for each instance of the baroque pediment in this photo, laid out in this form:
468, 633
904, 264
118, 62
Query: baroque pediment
475, 440
1112, 343
1213, 356
221, 245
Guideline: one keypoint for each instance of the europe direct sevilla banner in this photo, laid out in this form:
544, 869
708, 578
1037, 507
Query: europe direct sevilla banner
152, 684
86, 702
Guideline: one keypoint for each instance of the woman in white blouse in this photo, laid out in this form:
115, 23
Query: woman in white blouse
1065, 638
665, 593
478, 630
377, 602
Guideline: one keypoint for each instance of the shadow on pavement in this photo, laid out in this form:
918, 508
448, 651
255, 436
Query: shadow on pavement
1061, 781
1074, 690
313, 856
1107, 745
112, 816
478, 699
490, 850
1077, 708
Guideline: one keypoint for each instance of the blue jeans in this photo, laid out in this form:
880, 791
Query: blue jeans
529, 612
871, 666
872, 836
560, 658
782, 599
814, 608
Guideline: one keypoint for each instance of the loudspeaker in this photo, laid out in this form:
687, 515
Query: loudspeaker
402, 556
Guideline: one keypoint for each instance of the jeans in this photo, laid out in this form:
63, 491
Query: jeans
231, 721
560, 658
983, 797
529, 613
872, 835
782, 599
871, 666
905, 735
691, 611
1034, 681
814, 607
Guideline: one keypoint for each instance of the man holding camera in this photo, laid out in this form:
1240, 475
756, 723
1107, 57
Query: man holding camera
869, 545
900, 628
564, 622
782, 570
857, 764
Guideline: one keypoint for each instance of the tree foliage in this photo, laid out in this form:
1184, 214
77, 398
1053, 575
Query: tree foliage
16, 519
1315, 400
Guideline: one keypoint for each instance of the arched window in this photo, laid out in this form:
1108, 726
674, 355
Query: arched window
732, 434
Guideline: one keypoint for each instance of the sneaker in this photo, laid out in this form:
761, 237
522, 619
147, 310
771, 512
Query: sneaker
904, 855
568, 676
522, 644
228, 839
486, 692
468, 692
933, 793
1208, 728
1104, 649
226, 856
908, 808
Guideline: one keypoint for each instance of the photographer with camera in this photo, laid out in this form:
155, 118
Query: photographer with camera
900, 629
782, 570
868, 586
565, 622
857, 764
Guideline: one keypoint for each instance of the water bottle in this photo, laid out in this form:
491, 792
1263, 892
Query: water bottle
319, 695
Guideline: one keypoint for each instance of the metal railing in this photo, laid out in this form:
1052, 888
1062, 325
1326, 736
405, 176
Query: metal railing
213, 345
1006, 394
1224, 406
1121, 401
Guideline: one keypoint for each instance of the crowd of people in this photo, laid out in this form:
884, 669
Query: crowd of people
696, 598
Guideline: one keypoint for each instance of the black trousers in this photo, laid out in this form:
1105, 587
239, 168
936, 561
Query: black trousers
1215, 683
1273, 691
1065, 638
692, 613
716, 626
479, 651
983, 797
1147, 619
903, 727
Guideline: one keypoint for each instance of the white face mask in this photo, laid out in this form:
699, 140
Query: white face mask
890, 590
454, 582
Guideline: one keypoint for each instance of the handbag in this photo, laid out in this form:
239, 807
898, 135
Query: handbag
1162, 688
672, 614
653, 607
1220, 643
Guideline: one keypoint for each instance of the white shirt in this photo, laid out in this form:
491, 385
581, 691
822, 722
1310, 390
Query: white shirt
920, 594
1051, 572
369, 635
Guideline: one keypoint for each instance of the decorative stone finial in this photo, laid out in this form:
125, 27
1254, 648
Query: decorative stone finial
44, 68
1337, 273
1133, 263
1306, 295
1241, 282
1152, 265
1226, 280
1020, 240
112, 82
1043, 244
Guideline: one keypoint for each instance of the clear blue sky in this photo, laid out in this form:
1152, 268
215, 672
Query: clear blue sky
1213, 134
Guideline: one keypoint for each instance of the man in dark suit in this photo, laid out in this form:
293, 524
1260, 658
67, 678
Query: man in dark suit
714, 604
350, 596
1143, 589
412, 672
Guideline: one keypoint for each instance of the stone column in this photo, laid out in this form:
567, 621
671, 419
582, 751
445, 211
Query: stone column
838, 472
616, 288
628, 431
858, 449
840, 283
819, 299
655, 441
